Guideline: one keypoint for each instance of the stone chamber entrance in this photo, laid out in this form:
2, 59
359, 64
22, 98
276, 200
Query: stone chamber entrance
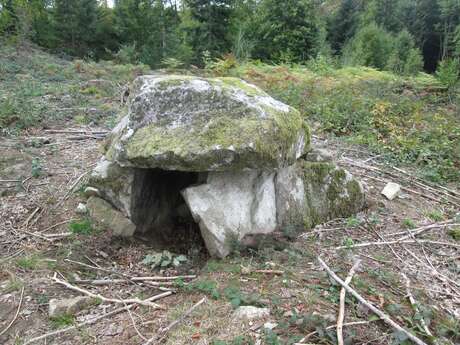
159, 211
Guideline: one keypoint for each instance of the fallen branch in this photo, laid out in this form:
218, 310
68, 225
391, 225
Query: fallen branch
15, 315
105, 299
414, 305
135, 279
343, 292
57, 131
375, 310
354, 323
424, 228
275, 272
162, 332
74, 184
94, 320
403, 241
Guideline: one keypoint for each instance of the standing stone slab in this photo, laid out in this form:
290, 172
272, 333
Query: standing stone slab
311, 193
231, 205
108, 217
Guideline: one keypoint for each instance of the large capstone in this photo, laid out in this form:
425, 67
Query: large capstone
218, 159
194, 124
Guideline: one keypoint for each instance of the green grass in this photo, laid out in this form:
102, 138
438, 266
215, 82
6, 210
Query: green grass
409, 223
62, 321
81, 227
30, 262
37, 88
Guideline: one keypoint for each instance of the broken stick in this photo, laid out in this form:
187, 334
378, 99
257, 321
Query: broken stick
414, 305
370, 306
162, 332
105, 299
94, 320
343, 292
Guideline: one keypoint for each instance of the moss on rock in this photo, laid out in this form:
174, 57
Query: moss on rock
196, 124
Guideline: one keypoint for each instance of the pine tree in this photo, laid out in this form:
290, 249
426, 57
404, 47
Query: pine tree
287, 30
344, 23
207, 27
75, 24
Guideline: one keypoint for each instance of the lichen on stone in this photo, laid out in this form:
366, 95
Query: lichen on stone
188, 123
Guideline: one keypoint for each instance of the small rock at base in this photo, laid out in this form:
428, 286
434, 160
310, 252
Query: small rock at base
270, 325
91, 191
68, 306
391, 190
251, 313
81, 209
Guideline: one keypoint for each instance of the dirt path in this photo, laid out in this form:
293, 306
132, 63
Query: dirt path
42, 175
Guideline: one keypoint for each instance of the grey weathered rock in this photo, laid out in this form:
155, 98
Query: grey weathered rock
231, 205
81, 209
114, 184
310, 193
188, 123
108, 217
68, 306
219, 153
91, 191
391, 190
250, 313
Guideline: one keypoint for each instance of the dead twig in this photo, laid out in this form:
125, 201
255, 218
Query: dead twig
370, 306
400, 241
94, 320
354, 323
414, 305
135, 279
15, 315
343, 293
105, 299
163, 331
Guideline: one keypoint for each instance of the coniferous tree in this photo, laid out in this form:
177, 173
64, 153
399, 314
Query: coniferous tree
344, 23
207, 27
75, 24
288, 30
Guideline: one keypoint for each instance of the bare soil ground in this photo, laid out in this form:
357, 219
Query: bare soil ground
40, 186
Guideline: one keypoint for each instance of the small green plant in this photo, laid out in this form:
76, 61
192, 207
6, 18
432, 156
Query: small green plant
81, 227
164, 259
436, 215
238, 298
353, 222
28, 262
455, 234
206, 286
37, 168
409, 223
62, 321
14, 284
348, 242
271, 338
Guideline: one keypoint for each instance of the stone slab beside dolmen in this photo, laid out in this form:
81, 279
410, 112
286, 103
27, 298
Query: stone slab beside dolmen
221, 153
